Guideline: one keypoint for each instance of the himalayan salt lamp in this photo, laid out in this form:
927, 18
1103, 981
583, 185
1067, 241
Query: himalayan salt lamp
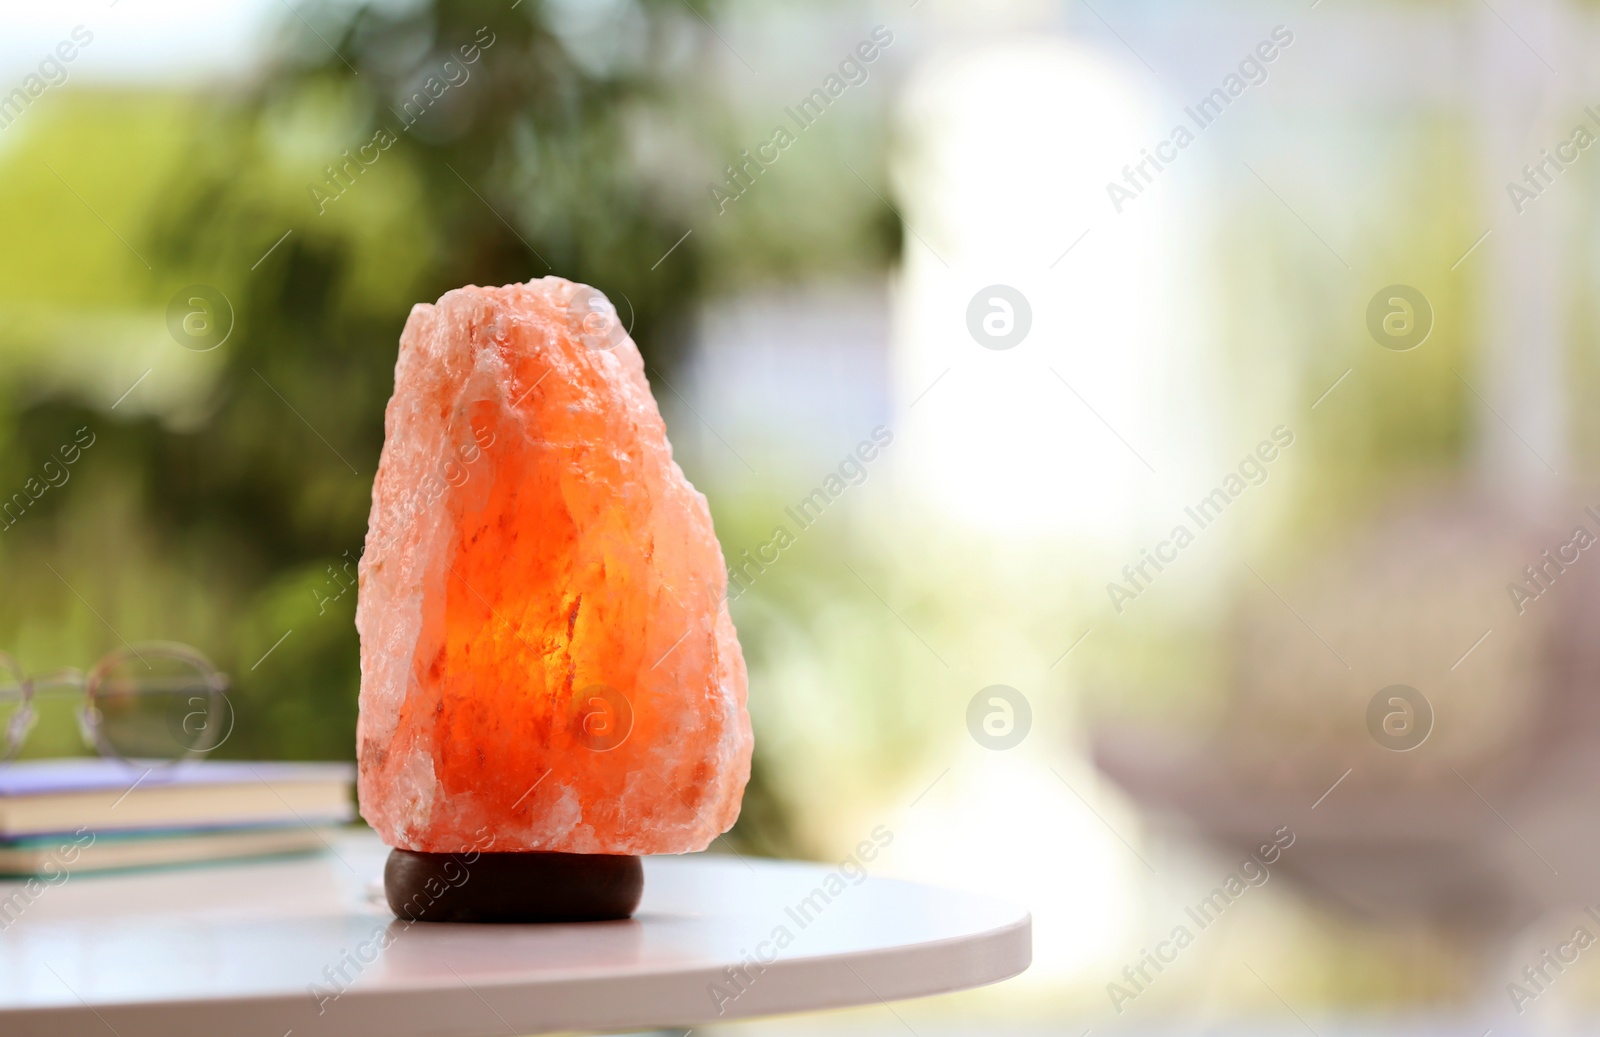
551, 684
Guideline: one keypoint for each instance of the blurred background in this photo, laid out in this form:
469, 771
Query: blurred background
1222, 561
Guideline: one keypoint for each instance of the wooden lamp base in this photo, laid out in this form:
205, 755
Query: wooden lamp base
512, 887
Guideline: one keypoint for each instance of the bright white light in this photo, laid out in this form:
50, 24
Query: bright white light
1003, 824
151, 40
1004, 182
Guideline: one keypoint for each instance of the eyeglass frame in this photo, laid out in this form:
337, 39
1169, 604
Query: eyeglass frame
90, 717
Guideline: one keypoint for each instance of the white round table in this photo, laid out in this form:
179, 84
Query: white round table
260, 949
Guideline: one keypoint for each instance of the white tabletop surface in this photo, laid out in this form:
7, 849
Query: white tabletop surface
262, 948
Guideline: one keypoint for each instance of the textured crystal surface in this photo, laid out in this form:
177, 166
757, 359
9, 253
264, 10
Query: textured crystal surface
547, 660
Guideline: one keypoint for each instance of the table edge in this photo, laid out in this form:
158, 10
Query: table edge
858, 978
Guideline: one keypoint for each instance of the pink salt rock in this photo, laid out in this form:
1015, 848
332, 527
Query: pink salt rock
547, 659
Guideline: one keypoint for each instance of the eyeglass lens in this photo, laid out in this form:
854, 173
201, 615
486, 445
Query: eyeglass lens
12, 704
158, 703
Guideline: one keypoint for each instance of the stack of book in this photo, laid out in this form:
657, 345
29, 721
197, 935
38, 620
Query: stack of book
82, 815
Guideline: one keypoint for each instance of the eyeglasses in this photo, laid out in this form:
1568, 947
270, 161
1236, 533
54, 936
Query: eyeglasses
154, 702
